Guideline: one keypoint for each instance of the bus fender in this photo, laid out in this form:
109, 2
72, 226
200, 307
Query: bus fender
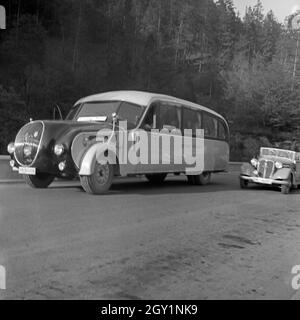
97, 152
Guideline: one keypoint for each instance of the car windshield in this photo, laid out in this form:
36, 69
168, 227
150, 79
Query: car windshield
277, 153
102, 111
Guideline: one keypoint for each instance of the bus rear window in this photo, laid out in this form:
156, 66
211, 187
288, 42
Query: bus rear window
222, 134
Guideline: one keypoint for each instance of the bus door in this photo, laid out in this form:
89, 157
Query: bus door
192, 120
163, 126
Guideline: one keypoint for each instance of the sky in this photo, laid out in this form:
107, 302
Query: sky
281, 8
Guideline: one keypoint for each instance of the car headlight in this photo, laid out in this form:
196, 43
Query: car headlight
11, 148
59, 149
278, 165
254, 162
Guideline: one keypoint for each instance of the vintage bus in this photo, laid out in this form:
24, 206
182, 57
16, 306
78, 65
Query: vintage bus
45, 149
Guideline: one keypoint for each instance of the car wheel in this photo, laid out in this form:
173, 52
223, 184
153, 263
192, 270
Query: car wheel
286, 188
40, 180
156, 178
243, 183
100, 180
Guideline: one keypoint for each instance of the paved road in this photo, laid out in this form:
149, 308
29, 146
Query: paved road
174, 241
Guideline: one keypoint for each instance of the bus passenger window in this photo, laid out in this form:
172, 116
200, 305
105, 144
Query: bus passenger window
191, 120
210, 125
150, 121
222, 131
170, 117
131, 113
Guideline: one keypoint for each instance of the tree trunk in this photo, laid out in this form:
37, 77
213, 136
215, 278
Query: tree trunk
76, 44
178, 41
37, 11
18, 21
158, 25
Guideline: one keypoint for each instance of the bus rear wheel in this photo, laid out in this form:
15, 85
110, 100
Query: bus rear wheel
201, 179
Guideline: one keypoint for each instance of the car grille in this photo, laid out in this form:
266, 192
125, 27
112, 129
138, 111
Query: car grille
27, 142
265, 168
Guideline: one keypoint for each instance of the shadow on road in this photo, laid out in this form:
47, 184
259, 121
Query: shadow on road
175, 185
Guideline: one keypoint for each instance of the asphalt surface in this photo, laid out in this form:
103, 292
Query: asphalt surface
172, 241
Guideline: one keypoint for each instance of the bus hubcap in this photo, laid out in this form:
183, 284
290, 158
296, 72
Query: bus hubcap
102, 173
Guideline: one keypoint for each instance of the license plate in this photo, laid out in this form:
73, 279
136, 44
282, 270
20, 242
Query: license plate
27, 170
262, 180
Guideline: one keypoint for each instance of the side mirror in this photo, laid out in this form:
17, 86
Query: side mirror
115, 118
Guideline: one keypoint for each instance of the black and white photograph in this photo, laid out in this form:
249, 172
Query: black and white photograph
150, 150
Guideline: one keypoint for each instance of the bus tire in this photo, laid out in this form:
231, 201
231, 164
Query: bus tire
202, 179
100, 180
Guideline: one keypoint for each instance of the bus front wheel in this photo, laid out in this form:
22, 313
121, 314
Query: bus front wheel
100, 180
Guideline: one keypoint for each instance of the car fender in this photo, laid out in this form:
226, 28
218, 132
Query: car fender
247, 169
283, 174
101, 152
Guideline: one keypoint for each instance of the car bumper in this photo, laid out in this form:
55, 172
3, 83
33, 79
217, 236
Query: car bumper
259, 180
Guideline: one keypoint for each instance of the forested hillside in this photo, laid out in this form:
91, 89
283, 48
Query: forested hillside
243, 67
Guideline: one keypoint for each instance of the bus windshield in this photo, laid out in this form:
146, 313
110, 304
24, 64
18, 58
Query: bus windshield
102, 111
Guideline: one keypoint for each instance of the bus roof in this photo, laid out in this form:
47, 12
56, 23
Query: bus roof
141, 98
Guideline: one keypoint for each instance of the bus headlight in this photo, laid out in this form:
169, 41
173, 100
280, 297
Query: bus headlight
59, 149
254, 162
11, 148
278, 165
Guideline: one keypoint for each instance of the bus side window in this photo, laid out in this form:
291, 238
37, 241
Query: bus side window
150, 120
191, 120
130, 112
170, 117
210, 125
222, 133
